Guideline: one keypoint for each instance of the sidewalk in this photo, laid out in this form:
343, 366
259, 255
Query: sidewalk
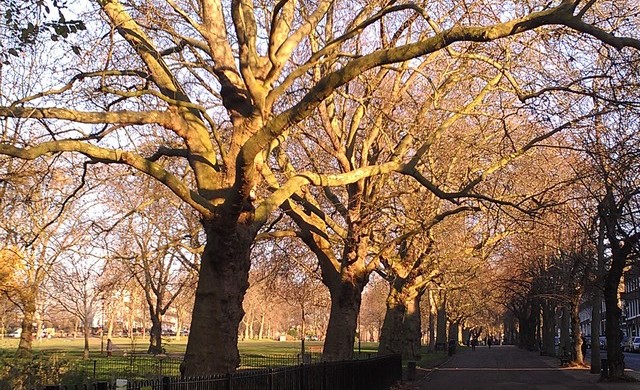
507, 367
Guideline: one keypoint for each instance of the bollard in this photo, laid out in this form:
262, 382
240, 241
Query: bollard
604, 366
411, 370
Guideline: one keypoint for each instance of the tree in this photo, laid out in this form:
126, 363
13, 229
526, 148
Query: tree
152, 243
207, 86
616, 168
40, 227
75, 287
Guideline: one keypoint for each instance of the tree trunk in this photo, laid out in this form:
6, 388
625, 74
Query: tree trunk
548, 328
401, 330
26, 337
615, 357
565, 338
343, 319
528, 320
86, 329
454, 329
224, 279
155, 335
432, 321
609, 213
441, 324
178, 328
261, 330
596, 303
576, 352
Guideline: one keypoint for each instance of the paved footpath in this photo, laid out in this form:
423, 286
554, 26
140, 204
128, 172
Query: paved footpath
508, 367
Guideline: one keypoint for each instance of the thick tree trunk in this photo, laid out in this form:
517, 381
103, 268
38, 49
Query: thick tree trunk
615, 357
432, 321
596, 303
26, 337
343, 319
576, 352
155, 335
609, 212
528, 321
224, 279
548, 328
401, 330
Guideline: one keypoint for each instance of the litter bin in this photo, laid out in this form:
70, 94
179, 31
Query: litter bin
604, 367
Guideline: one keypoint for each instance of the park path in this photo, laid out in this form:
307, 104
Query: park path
508, 367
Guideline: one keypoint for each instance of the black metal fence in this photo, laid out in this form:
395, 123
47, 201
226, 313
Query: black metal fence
368, 374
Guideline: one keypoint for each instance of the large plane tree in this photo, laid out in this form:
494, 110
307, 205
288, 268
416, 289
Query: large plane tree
197, 94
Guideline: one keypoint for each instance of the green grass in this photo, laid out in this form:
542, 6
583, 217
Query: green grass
73, 347
138, 365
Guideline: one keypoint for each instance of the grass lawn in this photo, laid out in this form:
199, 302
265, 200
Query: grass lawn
138, 365
72, 346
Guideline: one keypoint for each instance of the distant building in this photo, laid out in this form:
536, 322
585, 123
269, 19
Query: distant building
631, 299
585, 317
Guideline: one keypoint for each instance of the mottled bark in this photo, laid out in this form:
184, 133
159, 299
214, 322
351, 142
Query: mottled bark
155, 334
341, 330
26, 337
576, 347
401, 330
224, 279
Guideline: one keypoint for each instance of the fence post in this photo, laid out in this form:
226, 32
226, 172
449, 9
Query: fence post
270, 379
302, 376
228, 381
166, 383
95, 362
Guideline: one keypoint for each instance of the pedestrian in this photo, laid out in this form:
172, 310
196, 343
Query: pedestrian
474, 341
489, 342
109, 348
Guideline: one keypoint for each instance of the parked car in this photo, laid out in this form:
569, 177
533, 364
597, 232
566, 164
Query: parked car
16, 333
634, 345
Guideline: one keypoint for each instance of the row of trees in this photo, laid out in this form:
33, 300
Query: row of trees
406, 139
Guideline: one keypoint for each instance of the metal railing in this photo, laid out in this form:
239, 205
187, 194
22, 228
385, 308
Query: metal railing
378, 373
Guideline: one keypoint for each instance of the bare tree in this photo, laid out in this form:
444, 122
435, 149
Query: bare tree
206, 86
75, 286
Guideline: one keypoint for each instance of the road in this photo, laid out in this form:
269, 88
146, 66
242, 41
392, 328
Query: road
507, 367
631, 360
